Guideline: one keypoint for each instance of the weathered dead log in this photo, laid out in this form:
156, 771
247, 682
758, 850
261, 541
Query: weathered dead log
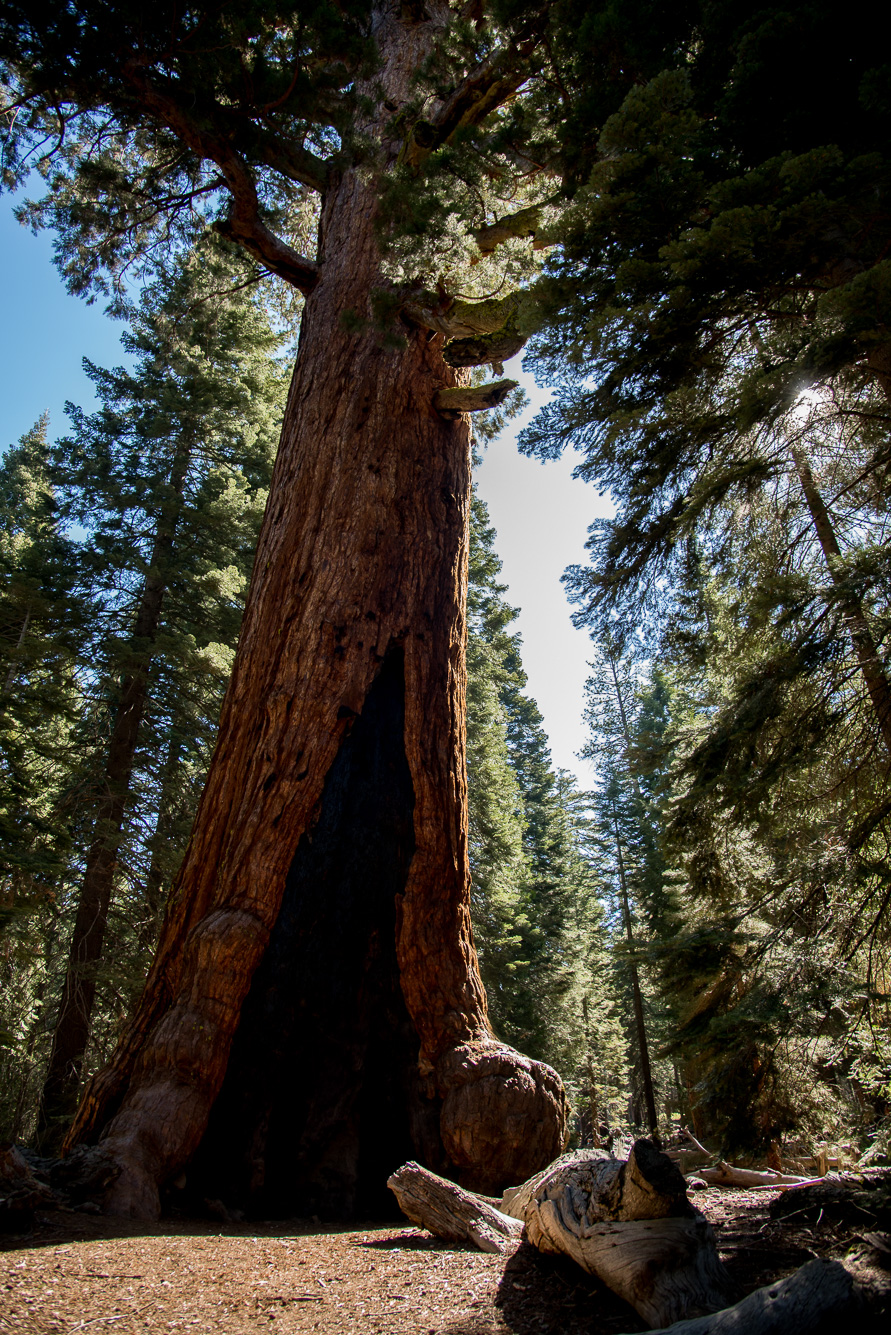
725, 1175
451, 1213
814, 1299
627, 1222
630, 1224
666, 1269
645, 1186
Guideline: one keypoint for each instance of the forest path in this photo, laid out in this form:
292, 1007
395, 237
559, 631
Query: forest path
80, 1272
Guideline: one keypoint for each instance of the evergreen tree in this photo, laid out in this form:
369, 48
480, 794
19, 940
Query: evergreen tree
42, 621
168, 479
718, 336
538, 918
415, 127
621, 707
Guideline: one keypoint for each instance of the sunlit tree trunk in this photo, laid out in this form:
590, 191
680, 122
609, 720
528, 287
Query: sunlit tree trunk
314, 1015
871, 666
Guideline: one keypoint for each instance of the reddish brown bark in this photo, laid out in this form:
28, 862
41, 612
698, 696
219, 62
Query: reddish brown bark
344, 722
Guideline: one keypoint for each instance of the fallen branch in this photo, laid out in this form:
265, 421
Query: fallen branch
628, 1223
816, 1298
725, 1175
690, 1155
693, 1142
451, 1213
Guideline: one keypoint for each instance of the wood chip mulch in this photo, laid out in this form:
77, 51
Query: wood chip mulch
77, 1272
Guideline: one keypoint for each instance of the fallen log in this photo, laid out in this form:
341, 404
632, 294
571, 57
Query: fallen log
451, 1213
645, 1186
726, 1175
816, 1298
630, 1224
666, 1269
627, 1222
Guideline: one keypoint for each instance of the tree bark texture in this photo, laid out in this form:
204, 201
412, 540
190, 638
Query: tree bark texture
448, 1212
72, 1032
315, 1015
645, 1186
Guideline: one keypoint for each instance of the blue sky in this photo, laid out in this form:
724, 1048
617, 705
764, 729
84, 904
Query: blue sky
540, 512
44, 334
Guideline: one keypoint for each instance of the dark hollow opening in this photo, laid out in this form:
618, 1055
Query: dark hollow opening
321, 1100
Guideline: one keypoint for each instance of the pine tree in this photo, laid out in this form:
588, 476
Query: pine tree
168, 478
718, 338
619, 710
42, 620
41, 617
539, 923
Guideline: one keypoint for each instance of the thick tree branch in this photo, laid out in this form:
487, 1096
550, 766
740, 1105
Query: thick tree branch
244, 223
525, 222
486, 350
294, 163
453, 402
462, 319
479, 93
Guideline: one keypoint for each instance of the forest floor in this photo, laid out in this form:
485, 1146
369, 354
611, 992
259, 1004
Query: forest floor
78, 1272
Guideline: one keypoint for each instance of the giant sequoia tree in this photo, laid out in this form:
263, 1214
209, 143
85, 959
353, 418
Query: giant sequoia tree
315, 1013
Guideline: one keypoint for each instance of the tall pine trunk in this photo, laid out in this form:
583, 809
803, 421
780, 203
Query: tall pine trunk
868, 658
72, 1031
315, 1015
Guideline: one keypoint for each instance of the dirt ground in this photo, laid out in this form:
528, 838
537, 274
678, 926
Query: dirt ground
77, 1272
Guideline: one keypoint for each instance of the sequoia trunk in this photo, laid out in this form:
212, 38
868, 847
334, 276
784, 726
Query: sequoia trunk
319, 929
